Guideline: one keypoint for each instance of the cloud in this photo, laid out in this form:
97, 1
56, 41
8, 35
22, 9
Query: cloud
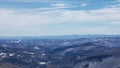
118, 0
29, 0
83, 4
27, 20
104, 15
61, 5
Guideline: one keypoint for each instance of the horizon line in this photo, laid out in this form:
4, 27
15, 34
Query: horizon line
62, 35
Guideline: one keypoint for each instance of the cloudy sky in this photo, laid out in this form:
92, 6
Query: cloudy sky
59, 17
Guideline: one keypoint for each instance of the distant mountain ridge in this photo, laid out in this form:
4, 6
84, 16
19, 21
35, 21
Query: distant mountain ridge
57, 37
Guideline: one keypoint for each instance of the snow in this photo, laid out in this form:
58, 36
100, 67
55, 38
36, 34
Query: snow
36, 48
42, 63
3, 55
12, 54
43, 54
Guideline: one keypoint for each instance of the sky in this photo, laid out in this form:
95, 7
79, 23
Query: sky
59, 17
